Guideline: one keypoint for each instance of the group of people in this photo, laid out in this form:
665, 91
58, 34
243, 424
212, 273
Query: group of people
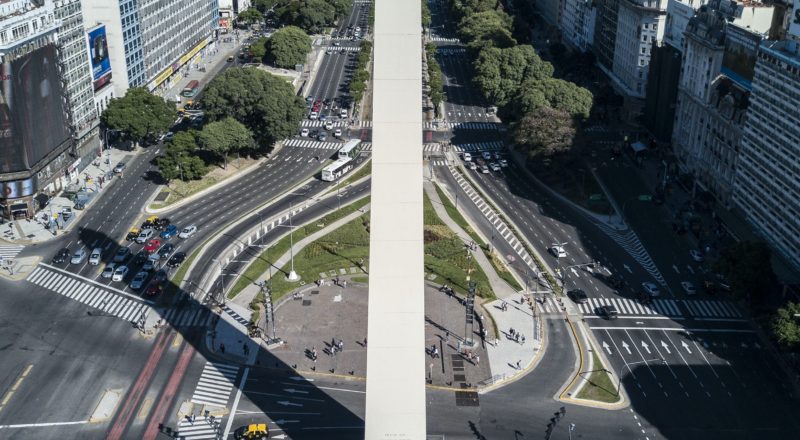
516, 336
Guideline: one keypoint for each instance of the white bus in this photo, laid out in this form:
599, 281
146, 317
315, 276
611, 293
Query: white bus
351, 149
337, 169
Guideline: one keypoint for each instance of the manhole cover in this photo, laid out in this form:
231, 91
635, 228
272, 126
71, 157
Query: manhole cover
162, 196
306, 302
467, 398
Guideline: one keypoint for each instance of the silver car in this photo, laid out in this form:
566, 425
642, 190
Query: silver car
138, 281
78, 256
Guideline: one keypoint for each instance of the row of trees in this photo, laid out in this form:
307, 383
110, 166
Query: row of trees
285, 48
358, 84
435, 78
313, 16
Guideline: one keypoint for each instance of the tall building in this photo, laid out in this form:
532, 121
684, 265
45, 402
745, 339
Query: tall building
150, 41
229, 9
578, 23
35, 138
605, 33
767, 182
550, 11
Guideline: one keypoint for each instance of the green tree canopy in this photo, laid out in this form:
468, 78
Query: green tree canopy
469, 7
310, 15
265, 5
341, 7
556, 93
288, 46
546, 131
500, 72
138, 114
264, 103
259, 49
748, 268
426, 14
224, 137
488, 28
250, 15
785, 326
179, 158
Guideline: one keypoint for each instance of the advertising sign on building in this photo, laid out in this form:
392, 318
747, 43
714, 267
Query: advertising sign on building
794, 20
739, 60
98, 54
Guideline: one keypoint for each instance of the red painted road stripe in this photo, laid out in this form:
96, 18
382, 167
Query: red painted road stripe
139, 387
165, 402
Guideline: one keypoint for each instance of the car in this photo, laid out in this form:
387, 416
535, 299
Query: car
230, 59
313, 115
558, 250
343, 113
120, 167
304, 132
486, 155
166, 250
188, 231
466, 157
484, 169
323, 117
503, 163
78, 256
160, 224
145, 235
608, 312
688, 287
168, 135
122, 254
108, 272
328, 125
139, 259
337, 44
61, 256
253, 431
494, 166
152, 245
169, 232
150, 263
696, 255
95, 256
132, 234
497, 155
337, 133
177, 259
160, 276
472, 165
154, 289
651, 289
578, 296
328, 51
322, 137
120, 273
138, 281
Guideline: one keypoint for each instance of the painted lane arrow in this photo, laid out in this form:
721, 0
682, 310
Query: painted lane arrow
626, 347
627, 268
281, 436
666, 347
301, 378
282, 421
646, 347
686, 346
294, 391
287, 403
607, 347
675, 268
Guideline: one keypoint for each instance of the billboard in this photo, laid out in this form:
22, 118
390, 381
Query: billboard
739, 59
32, 117
98, 54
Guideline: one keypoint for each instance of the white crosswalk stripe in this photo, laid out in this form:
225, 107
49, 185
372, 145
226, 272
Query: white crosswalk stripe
444, 40
629, 241
215, 384
312, 123
342, 48
190, 317
431, 125
304, 143
439, 163
550, 306
479, 146
708, 309
10, 250
108, 301
432, 148
199, 428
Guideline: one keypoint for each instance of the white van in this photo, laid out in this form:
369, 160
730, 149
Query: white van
96, 256
313, 116
145, 235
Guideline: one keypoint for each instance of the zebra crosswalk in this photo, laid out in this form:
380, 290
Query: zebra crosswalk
629, 241
111, 302
342, 48
189, 317
310, 123
712, 309
306, 143
439, 39
10, 250
463, 125
479, 146
200, 428
626, 306
215, 384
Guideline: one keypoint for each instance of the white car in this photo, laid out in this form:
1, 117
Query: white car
96, 256
304, 132
328, 125
689, 288
78, 256
144, 235
313, 115
119, 273
484, 169
337, 133
467, 157
486, 155
108, 272
651, 289
696, 255
188, 231
343, 113
494, 166
472, 165
138, 281
503, 163
558, 250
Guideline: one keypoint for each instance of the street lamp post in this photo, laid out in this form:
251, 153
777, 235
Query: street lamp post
292, 274
571, 428
222, 279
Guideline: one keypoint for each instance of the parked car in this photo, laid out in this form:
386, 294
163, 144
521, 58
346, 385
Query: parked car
166, 250
152, 245
688, 287
120, 167
121, 254
177, 259
169, 232
144, 235
578, 296
138, 281
120, 273
95, 256
696, 255
108, 272
188, 231
78, 256
651, 289
304, 132
132, 234
61, 256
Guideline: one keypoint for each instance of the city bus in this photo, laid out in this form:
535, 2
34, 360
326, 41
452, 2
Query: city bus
337, 169
351, 149
191, 89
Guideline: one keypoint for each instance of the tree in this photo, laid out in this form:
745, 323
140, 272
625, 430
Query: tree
469, 7
250, 15
225, 136
785, 326
264, 103
488, 28
500, 72
179, 159
288, 46
259, 49
546, 131
341, 7
310, 15
747, 267
265, 5
138, 114
557, 93
426, 14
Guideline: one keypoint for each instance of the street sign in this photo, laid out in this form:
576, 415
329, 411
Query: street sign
596, 197
645, 198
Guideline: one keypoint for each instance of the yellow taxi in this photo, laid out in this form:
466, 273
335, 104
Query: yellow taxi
253, 431
132, 234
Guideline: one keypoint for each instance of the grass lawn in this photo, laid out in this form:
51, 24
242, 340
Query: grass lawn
454, 214
259, 266
599, 386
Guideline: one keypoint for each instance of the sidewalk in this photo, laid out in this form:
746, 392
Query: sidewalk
49, 222
499, 286
509, 357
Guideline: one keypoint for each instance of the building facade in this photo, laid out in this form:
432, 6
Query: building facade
640, 25
229, 9
605, 33
578, 22
149, 41
767, 182
550, 11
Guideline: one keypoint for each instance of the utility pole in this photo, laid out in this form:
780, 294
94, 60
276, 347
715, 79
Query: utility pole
469, 323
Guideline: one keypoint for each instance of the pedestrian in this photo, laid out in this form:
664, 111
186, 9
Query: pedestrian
341, 345
333, 342
511, 331
523, 339
365, 342
447, 336
222, 348
516, 336
518, 367
344, 284
477, 359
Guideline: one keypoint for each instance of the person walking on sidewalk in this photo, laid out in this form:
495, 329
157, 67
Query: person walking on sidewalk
222, 348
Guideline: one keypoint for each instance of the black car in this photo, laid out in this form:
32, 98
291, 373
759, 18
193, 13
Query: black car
177, 259
578, 295
140, 258
608, 312
62, 256
166, 250
615, 281
161, 224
